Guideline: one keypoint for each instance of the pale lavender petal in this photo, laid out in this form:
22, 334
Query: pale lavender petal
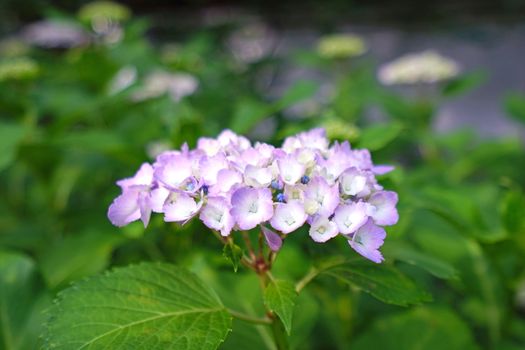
208, 145
273, 240
144, 206
251, 207
382, 169
322, 229
124, 209
179, 207
354, 182
142, 177
326, 196
173, 170
209, 168
257, 177
157, 198
216, 215
226, 179
350, 217
290, 169
367, 241
288, 217
385, 212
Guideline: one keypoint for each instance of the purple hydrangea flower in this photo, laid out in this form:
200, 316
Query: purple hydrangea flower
230, 184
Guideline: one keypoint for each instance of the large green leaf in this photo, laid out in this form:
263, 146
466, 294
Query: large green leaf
21, 302
148, 306
383, 282
279, 297
421, 328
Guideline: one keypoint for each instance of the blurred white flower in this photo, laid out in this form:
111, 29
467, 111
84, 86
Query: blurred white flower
124, 78
252, 42
424, 67
177, 85
55, 34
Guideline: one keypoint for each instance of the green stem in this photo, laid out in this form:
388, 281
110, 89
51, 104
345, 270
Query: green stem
248, 318
306, 279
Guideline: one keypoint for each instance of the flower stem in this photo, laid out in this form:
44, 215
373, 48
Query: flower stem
306, 279
248, 318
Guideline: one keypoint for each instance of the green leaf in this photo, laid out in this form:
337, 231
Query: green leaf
515, 106
21, 302
77, 256
424, 260
148, 306
248, 113
378, 136
280, 297
233, 252
421, 328
513, 212
464, 83
10, 136
383, 282
301, 90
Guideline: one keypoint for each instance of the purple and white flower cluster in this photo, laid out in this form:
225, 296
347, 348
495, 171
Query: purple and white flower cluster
231, 185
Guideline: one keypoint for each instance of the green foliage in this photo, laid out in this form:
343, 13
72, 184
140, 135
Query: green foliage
382, 282
421, 328
68, 130
234, 253
21, 302
515, 106
279, 297
153, 306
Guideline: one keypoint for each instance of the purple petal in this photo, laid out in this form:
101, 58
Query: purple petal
251, 206
273, 240
124, 209
180, 207
173, 170
216, 215
288, 217
322, 229
144, 176
350, 217
367, 241
382, 169
385, 212
325, 195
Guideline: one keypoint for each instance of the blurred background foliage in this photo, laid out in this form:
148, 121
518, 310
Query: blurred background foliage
92, 90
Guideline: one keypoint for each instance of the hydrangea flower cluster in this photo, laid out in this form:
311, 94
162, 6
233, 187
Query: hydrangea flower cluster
232, 185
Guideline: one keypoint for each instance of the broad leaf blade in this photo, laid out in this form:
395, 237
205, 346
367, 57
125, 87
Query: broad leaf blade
382, 282
148, 306
280, 297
